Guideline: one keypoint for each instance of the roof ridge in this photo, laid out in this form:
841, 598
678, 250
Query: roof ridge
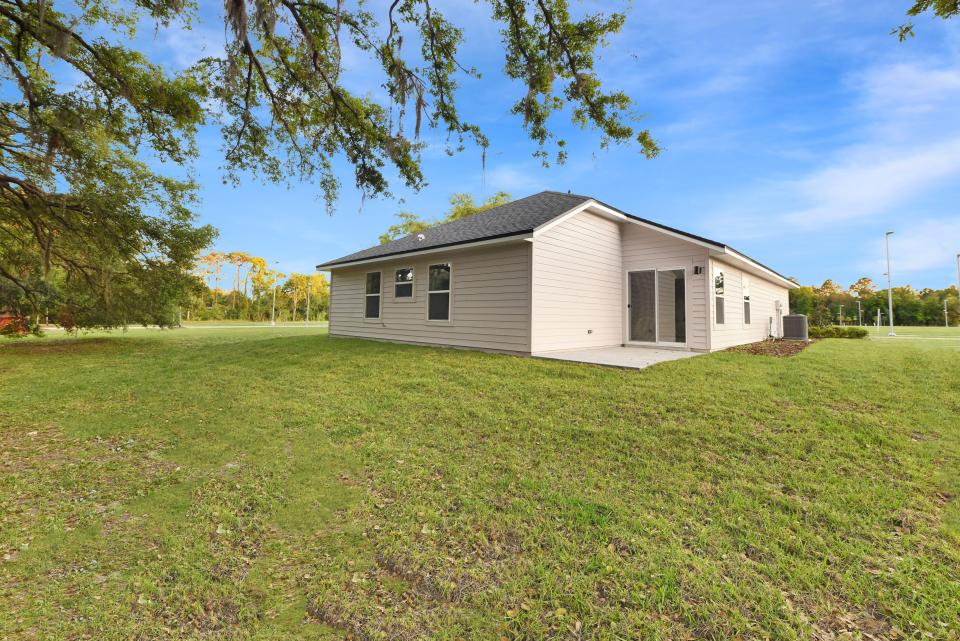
567, 193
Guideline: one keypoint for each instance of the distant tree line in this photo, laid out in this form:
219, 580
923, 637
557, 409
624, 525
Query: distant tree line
239, 286
831, 304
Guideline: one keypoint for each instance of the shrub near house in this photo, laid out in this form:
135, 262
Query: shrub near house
835, 331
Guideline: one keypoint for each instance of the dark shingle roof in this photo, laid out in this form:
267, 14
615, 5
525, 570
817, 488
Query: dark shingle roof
518, 217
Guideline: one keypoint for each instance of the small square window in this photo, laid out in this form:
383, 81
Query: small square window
403, 283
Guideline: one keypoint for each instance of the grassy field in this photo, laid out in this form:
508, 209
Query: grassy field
917, 332
279, 484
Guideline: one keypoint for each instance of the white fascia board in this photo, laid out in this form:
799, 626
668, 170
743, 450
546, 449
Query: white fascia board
603, 210
553, 222
432, 250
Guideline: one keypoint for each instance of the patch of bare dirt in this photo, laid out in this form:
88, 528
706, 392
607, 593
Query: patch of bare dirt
780, 348
855, 625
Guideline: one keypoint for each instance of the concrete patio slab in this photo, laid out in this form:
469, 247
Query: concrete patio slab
628, 357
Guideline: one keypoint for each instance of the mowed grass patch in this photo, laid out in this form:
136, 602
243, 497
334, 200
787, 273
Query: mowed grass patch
277, 483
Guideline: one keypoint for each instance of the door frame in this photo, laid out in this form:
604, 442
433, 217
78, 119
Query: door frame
656, 299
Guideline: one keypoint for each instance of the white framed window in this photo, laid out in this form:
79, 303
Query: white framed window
439, 278
371, 307
718, 288
403, 283
746, 300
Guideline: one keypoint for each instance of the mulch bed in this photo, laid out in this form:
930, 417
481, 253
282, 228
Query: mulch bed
781, 348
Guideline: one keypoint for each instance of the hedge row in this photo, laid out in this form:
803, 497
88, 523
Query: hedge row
835, 331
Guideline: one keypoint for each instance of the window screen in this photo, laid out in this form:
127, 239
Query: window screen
438, 292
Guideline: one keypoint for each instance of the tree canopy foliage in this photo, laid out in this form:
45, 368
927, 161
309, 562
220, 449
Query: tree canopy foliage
89, 234
281, 82
461, 205
92, 234
831, 303
945, 9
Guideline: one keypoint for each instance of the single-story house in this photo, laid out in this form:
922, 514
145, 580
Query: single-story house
555, 271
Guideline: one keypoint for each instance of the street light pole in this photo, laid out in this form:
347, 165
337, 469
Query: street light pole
273, 310
309, 281
889, 286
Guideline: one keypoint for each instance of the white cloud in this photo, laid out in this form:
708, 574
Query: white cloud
514, 179
188, 45
924, 245
908, 92
872, 179
905, 144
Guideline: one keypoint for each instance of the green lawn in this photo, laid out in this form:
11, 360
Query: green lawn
279, 484
917, 332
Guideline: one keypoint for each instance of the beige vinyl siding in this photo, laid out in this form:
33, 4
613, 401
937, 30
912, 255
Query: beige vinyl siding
490, 300
763, 297
645, 248
577, 282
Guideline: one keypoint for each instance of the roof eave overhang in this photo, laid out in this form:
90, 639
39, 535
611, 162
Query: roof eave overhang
497, 240
714, 248
741, 261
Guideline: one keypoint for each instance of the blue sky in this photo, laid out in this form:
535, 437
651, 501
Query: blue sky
796, 132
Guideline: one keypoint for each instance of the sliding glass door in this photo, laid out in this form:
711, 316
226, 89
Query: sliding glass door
657, 305
643, 306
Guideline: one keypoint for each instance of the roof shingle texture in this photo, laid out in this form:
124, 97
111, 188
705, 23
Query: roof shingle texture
517, 217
